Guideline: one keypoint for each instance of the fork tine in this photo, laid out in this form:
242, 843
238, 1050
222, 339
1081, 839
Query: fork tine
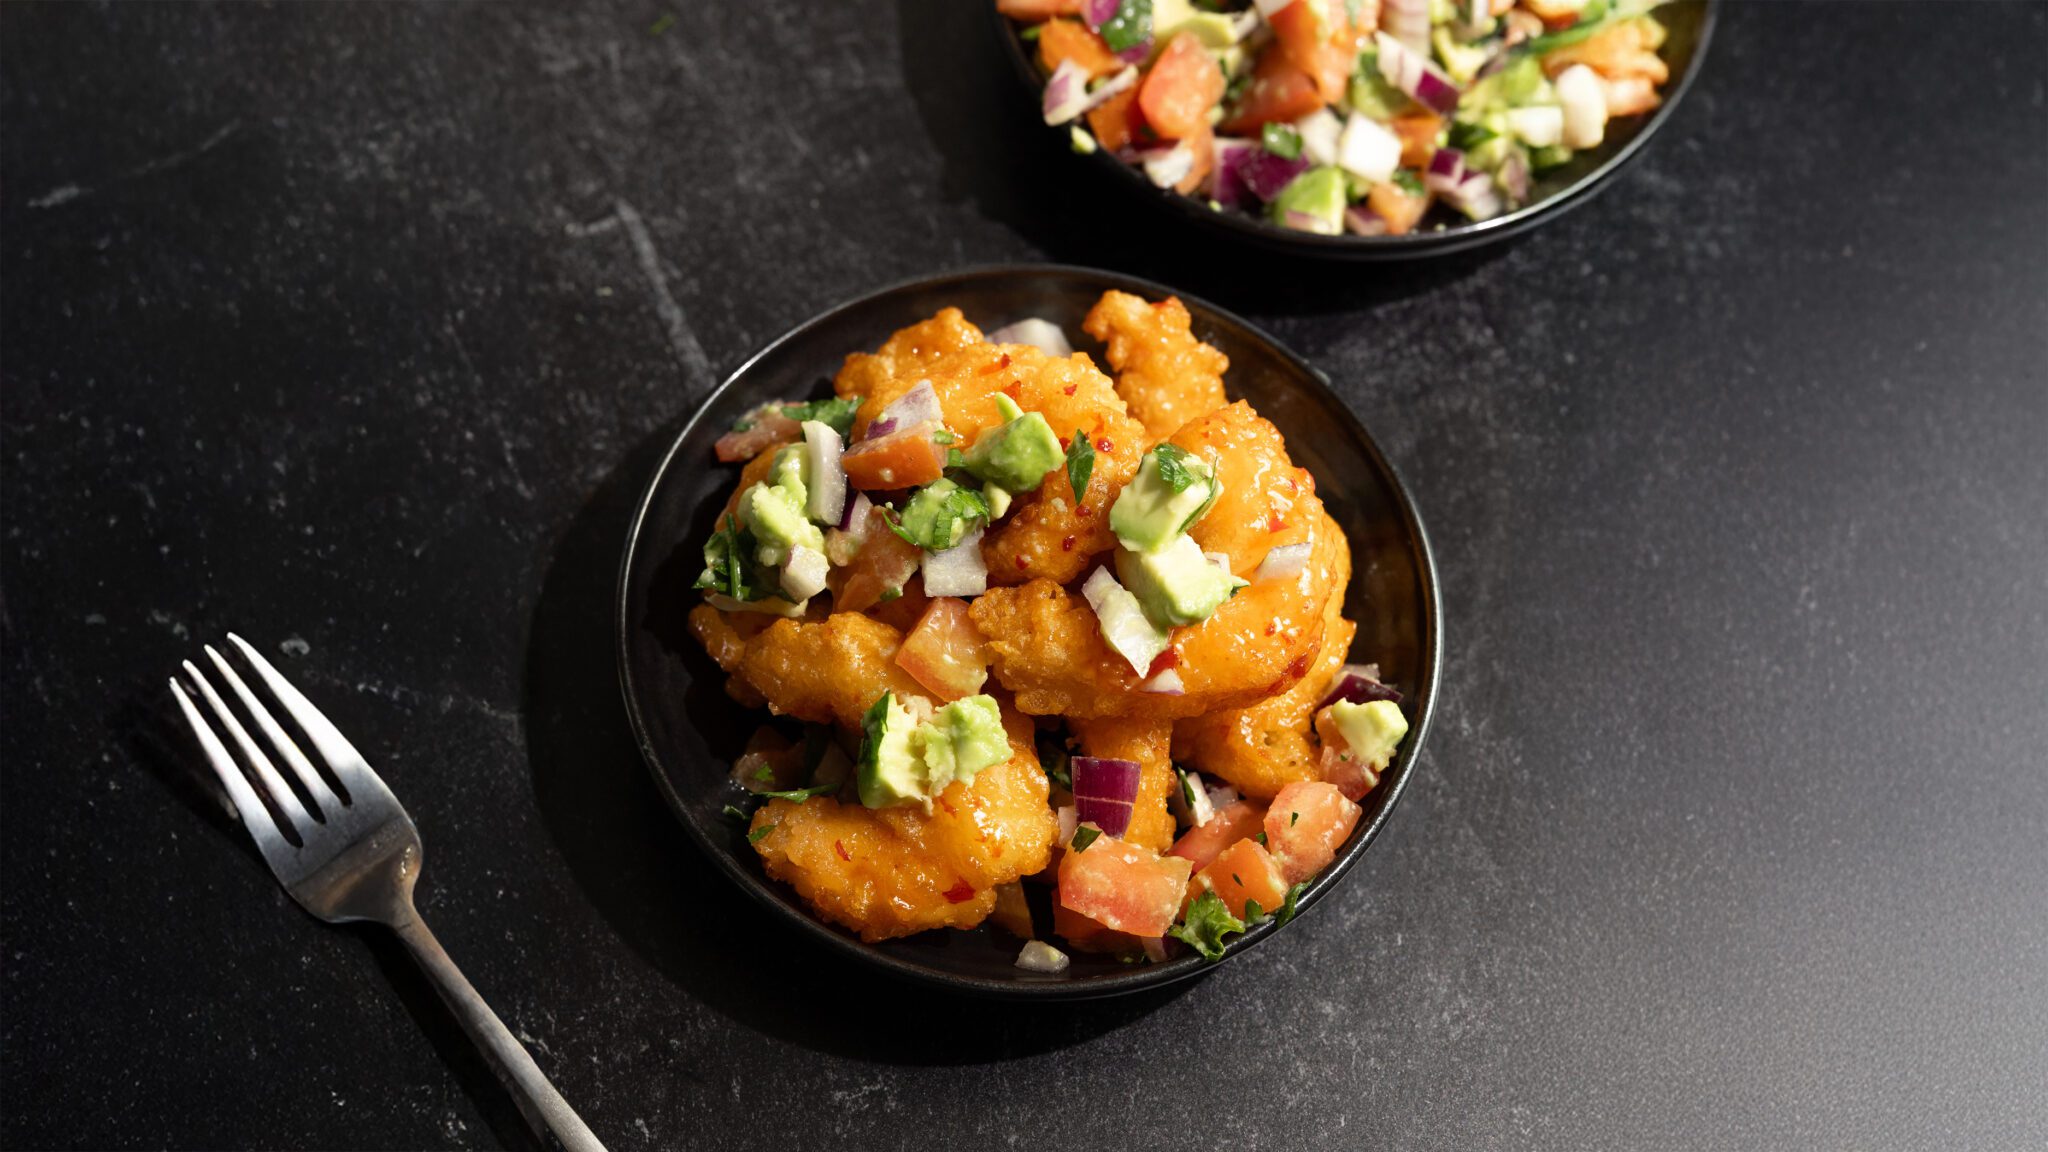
347, 763
324, 799
281, 794
255, 817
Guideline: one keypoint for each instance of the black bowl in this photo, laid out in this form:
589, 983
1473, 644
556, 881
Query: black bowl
1690, 24
690, 732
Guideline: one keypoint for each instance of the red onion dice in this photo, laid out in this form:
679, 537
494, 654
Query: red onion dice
1285, 562
1359, 684
1362, 221
1104, 792
958, 571
1226, 180
1100, 12
1446, 171
1167, 683
1266, 175
913, 407
1067, 95
1409, 70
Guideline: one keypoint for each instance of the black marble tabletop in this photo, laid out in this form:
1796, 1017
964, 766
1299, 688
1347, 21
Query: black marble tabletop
356, 328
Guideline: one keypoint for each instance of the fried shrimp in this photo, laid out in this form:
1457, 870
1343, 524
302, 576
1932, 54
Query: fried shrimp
1165, 376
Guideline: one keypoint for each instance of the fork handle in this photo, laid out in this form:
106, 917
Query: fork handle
537, 1098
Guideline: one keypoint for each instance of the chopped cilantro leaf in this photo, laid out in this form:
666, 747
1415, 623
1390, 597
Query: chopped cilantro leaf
1187, 788
732, 813
944, 437
1261, 838
1293, 894
1083, 837
799, 795
1031, 33
1253, 914
895, 523
754, 837
1174, 468
889, 594
1408, 181
1282, 140
725, 561
1207, 922
1080, 464
955, 458
1052, 760
1130, 27
834, 411
764, 774
1293, 818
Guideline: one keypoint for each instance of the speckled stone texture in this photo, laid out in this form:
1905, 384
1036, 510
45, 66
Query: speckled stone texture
357, 328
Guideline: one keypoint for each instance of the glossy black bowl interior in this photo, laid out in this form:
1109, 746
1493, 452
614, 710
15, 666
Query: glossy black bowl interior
690, 732
1690, 24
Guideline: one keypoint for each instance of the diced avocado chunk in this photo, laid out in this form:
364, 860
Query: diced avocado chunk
1549, 156
1172, 489
1371, 730
1177, 584
775, 511
890, 774
1522, 82
1320, 193
1018, 453
942, 514
1370, 93
1171, 17
998, 500
959, 741
1461, 61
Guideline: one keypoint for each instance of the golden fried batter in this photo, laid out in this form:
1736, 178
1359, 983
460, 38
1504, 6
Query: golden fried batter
826, 672
1046, 533
1148, 742
1267, 746
1165, 375
1048, 648
895, 871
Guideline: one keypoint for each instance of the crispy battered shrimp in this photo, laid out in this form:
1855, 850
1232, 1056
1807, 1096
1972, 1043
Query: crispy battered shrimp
826, 672
1047, 534
1047, 645
1148, 742
890, 872
1165, 375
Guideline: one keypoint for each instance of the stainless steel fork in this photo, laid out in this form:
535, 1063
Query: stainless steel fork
356, 857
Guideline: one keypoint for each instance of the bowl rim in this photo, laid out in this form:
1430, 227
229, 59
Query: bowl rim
1137, 978
1438, 242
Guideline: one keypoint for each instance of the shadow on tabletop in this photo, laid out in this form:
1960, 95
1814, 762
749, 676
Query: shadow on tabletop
632, 858
997, 153
158, 740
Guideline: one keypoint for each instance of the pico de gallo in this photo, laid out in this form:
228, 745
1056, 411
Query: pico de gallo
1368, 117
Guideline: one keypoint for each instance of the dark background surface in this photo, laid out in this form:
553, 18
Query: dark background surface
357, 327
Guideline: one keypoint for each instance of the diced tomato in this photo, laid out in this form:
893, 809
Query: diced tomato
1084, 935
1279, 93
1035, 10
1245, 871
1400, 208
1060, 40
1318, 43
1117, 120
1202, 141
1123, 886
904, 458
1182, 86
1417, 128
885, 561
1232, 822
1306, 823
945, 652
768, 429
1630, 96
1352, 776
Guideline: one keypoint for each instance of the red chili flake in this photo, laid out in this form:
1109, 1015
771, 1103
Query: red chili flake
1071, 388
1022, 564
840, 848
1160, 663
1299, 667
1272, 626
1067, 545
1006, 360
1274, 523
1011, 389
960, 893
1105, 445
1083, 511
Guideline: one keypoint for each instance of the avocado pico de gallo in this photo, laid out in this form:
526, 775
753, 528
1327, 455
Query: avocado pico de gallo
1045, 648
1372, 117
